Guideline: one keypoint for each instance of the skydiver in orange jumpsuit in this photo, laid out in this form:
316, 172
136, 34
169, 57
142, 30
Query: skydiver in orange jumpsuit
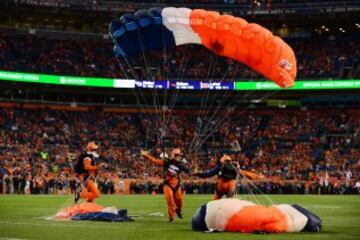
227, 171
172, 188
87, 169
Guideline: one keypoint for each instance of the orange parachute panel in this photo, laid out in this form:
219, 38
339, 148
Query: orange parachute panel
257, 218
70, 211
248, 43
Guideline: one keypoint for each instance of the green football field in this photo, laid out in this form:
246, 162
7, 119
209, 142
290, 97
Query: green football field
23, 217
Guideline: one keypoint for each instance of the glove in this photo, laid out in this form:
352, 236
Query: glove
144, 153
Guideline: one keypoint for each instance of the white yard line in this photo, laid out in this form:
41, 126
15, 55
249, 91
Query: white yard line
111, 225
325, 206
8, 238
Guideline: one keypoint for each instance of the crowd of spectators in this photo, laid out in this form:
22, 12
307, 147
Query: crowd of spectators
310, 151
221, 4
317, 59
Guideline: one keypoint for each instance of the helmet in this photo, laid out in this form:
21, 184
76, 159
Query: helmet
175, 153
225, 157
91, 146
91, 149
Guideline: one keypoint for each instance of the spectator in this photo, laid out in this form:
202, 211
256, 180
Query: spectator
299, 151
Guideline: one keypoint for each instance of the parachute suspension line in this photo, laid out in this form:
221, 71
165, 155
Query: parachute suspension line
223, 123
134, 76
146, 114
208, 126
199, 130
169, 104
208, 119
210, 73
162, 122
174, 96
180, 75
211, 129
259, 191
248, 192
220, 122
204, 109
250, 186
154, 119
156, 102
203, 99
160, 143
217, 121
216, 94
165, 76
251, 191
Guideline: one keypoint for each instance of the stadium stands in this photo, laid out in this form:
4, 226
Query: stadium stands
316, 59
241, 6
300, 151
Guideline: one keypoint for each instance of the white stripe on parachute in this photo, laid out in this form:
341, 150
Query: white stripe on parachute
177, 20
296, 221
218, 212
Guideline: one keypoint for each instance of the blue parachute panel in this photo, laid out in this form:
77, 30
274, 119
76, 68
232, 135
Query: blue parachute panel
139, 33
198, 219
121, 216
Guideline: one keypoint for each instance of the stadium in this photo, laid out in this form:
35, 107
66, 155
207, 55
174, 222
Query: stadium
169, 119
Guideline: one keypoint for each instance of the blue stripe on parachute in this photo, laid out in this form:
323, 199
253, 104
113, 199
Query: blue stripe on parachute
138, 33
121, 216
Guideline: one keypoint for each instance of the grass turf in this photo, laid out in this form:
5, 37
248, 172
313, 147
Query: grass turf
22, 217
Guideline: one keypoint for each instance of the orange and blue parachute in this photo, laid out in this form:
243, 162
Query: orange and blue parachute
235, 215
225, 35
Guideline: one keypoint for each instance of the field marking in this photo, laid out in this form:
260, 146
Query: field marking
78, 226
57, 225
6, 238
325, 206
347, 225
350, 237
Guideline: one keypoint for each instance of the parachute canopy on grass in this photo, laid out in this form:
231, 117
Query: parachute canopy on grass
235, 215
226, 35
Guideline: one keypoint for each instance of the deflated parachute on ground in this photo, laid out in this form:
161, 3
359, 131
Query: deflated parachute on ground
234, 215
228, 36
93, 212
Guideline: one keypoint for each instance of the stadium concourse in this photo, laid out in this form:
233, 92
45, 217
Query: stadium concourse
302, 152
